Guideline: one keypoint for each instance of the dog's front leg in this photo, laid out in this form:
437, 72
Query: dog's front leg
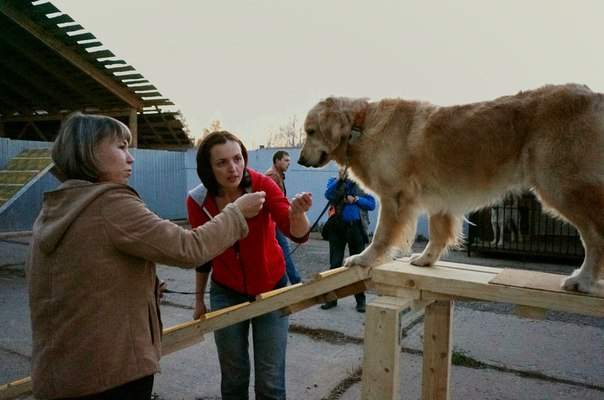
443, 232
396, 223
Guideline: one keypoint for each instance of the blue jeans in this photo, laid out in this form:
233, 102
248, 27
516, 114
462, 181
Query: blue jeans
290, 267
269, 336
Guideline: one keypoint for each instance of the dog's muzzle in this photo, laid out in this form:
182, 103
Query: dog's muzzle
302, 161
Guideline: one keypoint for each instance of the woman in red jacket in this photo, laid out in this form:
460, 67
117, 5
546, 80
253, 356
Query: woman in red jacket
255, 264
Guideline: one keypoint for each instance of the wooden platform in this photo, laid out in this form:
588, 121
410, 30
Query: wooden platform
402, 286
454, 280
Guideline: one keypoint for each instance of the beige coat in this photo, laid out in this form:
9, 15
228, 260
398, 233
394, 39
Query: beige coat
92, 284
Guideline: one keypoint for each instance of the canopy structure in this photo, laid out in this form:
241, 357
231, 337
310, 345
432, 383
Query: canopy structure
50, 66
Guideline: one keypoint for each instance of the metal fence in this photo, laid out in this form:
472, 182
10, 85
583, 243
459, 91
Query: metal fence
519, 226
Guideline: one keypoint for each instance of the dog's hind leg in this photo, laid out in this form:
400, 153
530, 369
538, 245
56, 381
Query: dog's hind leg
444, 229
396, 222
583, 206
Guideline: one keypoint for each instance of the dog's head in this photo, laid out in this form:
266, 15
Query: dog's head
328, 127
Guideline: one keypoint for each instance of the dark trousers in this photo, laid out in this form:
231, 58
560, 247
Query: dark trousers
140, 389
354, 238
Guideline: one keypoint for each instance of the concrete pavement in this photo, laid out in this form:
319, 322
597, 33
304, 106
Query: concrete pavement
497, 355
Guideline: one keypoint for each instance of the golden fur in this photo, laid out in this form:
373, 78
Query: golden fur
447, 161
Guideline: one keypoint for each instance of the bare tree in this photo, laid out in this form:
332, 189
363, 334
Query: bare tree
215, 126
288, 135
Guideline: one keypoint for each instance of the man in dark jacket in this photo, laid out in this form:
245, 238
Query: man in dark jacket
281, 162
350, 202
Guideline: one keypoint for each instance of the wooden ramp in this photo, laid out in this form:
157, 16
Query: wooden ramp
325, 286
434, 289
400, 286
21, 172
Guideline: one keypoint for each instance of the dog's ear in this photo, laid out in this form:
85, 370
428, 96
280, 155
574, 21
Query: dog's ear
330, 102
331, 126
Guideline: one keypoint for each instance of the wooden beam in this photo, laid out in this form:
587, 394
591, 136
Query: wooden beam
15, 389
437, 350
133, 126
281, 301
157, 135
31, 78
469, 281
18, 17
23, 49
381, 354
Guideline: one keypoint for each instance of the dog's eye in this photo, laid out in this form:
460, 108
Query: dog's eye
310, 132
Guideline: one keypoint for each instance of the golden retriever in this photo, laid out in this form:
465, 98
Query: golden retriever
447, 161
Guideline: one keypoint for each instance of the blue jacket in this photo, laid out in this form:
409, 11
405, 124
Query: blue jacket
350, 212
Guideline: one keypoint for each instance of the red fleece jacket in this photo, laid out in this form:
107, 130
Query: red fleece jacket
255, 263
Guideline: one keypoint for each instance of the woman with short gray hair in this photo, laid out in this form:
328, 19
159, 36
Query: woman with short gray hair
92, 283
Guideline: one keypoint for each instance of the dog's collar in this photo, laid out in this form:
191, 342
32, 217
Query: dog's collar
355, 136
358, 124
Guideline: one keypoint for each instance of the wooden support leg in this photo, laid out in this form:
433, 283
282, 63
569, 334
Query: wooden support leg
133, 126
437, 350
381, 362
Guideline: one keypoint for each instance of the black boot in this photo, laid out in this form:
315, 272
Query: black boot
329, 304
361, 306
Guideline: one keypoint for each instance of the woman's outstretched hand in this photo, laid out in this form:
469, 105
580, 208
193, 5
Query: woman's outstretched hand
250, 204
301, 203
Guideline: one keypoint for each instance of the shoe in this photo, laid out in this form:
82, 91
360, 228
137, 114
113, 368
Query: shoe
360, 308
328, 305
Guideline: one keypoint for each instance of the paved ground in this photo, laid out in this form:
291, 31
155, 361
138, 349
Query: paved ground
497, 355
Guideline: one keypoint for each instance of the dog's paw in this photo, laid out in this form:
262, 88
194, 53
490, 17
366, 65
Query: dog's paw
421, 260
578, 282
357, 260
396, 253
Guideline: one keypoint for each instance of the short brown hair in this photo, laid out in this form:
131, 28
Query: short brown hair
204, 165
279, 155
73, 151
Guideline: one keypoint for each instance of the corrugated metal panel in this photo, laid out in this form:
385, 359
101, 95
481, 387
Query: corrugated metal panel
20, 216
158, 176
163, 178
302, 179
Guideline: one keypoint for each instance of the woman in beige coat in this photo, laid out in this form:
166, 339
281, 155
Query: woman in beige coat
92, 284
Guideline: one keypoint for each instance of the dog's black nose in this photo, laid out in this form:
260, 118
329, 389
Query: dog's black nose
303, 162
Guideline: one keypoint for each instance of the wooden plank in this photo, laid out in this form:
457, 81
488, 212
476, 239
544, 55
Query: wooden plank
15, 389
325, 274
18, 17
437, 350
532, 280
272, 293
124, 68
191, 332
530, 312
61, 19
339, 293
381, 355
285, 299
173, 340
473, 284
45, 8
133, 126
68, 28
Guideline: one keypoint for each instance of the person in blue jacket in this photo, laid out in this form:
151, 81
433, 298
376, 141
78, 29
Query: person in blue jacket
348, 225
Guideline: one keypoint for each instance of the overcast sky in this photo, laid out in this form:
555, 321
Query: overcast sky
255, 64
